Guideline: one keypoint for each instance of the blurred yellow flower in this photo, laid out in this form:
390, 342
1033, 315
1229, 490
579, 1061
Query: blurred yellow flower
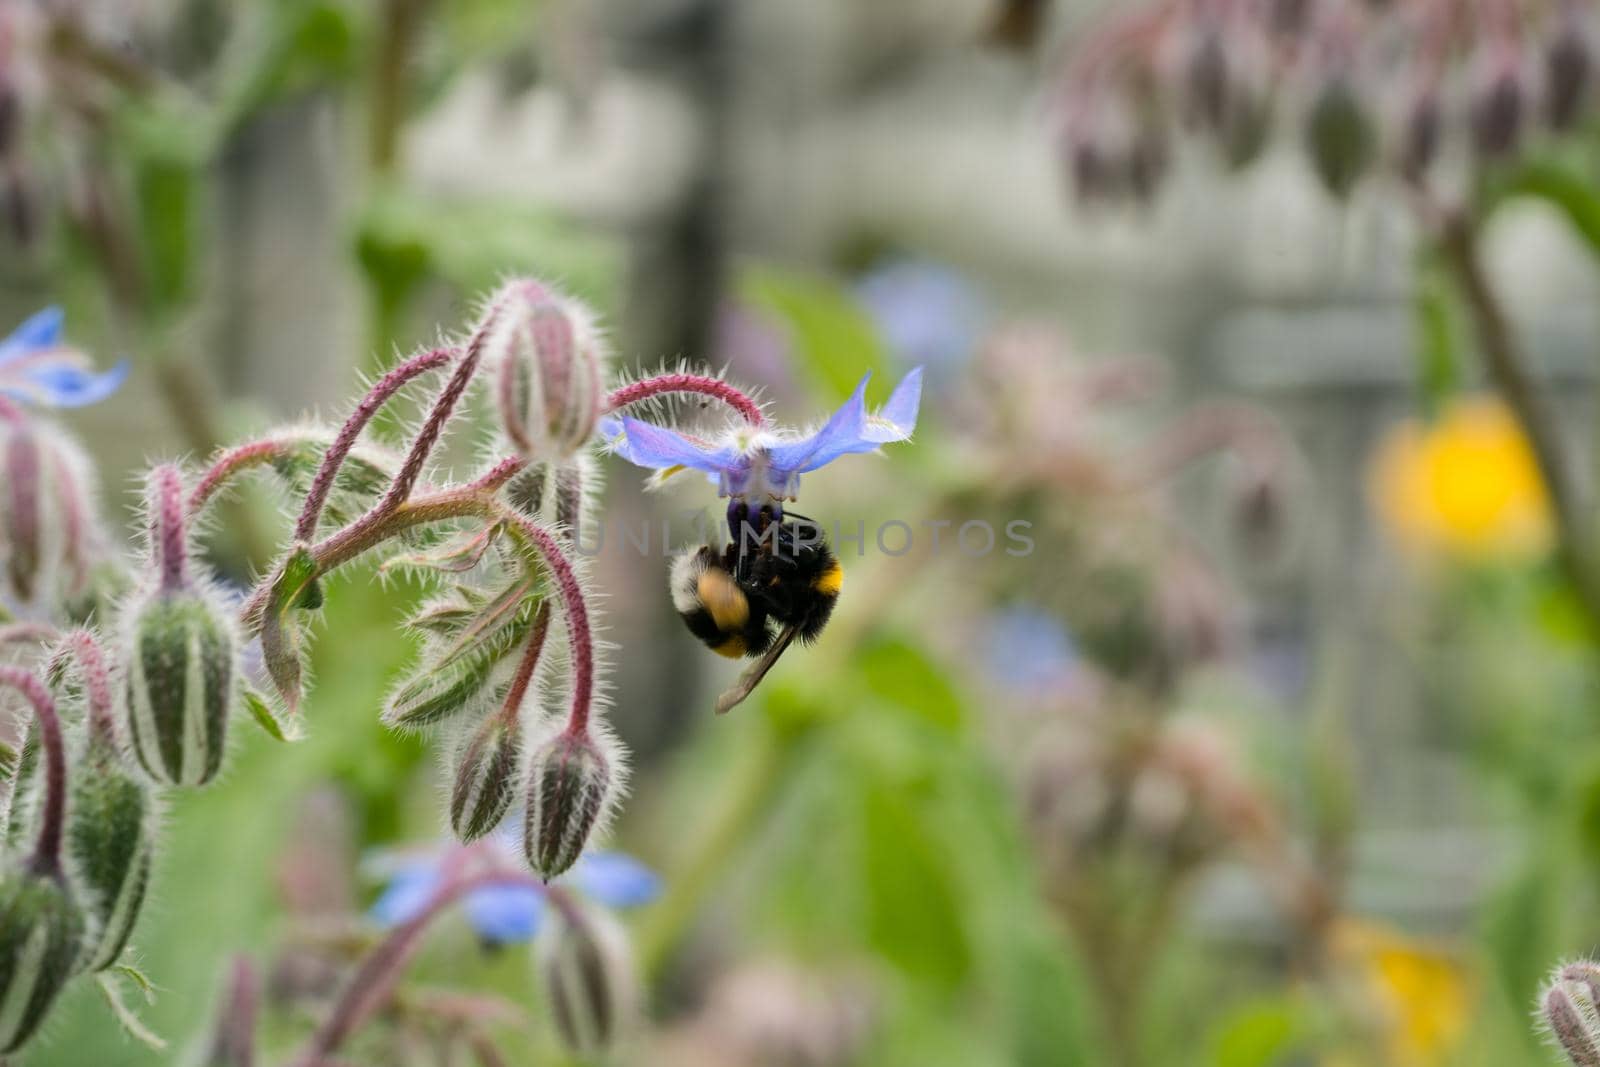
1416, 998
1465, 485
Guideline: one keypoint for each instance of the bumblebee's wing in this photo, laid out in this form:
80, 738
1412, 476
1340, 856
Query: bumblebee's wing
753, 674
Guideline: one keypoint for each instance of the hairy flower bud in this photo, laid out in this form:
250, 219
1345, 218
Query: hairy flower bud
588, 977
569, 790
547, 365
1340, 137
1497, 111
110, 838
41, 936
486, 777
46, 510
180, 650
1571, 1009
1568, 68
1419, 136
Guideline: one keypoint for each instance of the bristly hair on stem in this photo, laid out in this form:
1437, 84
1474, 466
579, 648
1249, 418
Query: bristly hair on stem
169, 537
683, 383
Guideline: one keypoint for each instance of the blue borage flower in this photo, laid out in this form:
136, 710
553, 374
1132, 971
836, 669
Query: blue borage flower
505, 914
759, 464
36, 368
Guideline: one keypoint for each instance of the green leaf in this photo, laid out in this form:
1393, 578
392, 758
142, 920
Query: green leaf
261, 711
1259, 1034
1570, 193
832, 335
913, 914
905, 677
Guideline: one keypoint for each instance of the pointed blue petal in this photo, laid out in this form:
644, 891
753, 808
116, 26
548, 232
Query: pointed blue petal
406, 894
505, 913
840, 434
41, 330
653, 446
66, 386
896, 419
616, 879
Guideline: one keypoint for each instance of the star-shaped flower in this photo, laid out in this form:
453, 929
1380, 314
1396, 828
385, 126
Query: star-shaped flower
37, 368
758, 464
505, 914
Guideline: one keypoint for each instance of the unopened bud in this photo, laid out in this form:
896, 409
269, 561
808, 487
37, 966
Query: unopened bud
1572, 1014
486, 777
110, 838
569, 790
41, 936
1207, 81
180, 650
1497, 111
1340, 137
46, 511
546, 359
588, 977
1419, 142
1568, 67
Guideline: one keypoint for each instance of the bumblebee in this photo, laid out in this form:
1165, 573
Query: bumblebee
757, 594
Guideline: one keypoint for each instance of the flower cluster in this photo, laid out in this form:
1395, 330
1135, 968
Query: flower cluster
139, 697
1419, 89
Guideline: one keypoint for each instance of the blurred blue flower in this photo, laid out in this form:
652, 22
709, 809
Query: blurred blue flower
504, 914
1028, 650
762, 464
36, 368
927, 313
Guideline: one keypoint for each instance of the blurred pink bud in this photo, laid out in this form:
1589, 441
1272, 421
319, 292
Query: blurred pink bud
46, 511
1568, 69
1498, 107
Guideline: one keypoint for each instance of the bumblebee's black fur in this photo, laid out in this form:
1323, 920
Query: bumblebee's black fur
775, 573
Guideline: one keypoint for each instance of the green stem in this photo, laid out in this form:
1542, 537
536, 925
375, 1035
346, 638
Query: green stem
1509, 369
762, 774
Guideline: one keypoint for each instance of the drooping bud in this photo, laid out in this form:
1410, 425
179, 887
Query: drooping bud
41, 936
1340, 136
1419, 135
111, 833
179, 652
1568, 69
588, 977
570, 789
547, 362
1571, 1009
486, 777
1497, 111
46, 510
1207, 80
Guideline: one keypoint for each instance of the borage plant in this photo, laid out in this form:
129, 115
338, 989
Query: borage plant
139, 696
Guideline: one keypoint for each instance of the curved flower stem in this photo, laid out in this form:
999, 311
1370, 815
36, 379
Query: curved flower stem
373, 982
438, 415
46, 858
305, 526
527, 665
1508, 368
230, 463
27, 632
80, 645
473, 500
169, 547
234, 1041
580, 637
704, 385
